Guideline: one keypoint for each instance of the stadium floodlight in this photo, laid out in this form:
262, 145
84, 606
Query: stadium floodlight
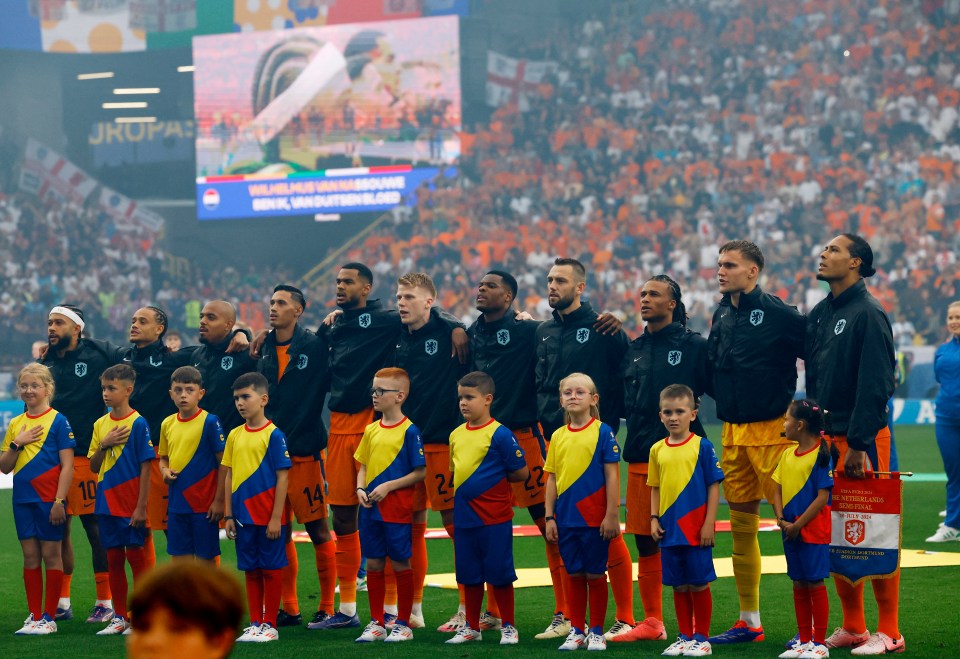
137, 90
95, 76
125, 106
186, 69
135, 120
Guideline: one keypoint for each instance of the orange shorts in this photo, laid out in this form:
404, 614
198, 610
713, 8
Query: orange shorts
878, 456
531, 491
83, 491
638, 499
157, 499
305, 486
346, 431
439, 481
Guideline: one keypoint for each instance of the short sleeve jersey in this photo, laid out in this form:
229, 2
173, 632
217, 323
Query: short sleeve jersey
389, 453
576, 458
118, 485
801, 480
255, 455
683, 472
36, 473
191, 445
480, 459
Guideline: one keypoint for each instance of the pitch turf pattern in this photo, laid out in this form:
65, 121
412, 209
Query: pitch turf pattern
923, 616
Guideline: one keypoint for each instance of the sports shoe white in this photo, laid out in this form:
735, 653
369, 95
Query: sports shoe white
619, 628
416, 621
249, 634
698, 649
115, 627
509, 635
942, 513
454, 624
45, 626
676, 648
945, 534
880, 643
267, 633
372, 632
815, 651
28, 626
559, 627
597, 642
795, 651
574, 641
465, 635
399, 634
841, 638
488, 622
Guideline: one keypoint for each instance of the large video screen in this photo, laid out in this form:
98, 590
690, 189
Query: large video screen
328, 120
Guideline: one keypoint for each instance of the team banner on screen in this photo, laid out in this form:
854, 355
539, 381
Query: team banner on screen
328, 119
865, 532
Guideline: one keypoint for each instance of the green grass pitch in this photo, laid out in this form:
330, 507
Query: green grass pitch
928, 613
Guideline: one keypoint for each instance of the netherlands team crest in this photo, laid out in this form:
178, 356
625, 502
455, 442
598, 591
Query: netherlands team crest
854, 531
431, 346
583, 335
503, 337
756, 317
302, 362
80, 369
226, 363
841, 325
674, 357
364, 320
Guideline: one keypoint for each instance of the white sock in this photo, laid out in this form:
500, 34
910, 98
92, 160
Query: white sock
391, 609
348, 608
752, 618
64, 603
417, 609
107, 604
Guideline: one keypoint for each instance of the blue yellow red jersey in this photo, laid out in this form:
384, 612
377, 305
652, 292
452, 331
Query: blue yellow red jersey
36, 473
118, 484
389, 453
192, 447
801, 480
684, 473
255, 455
480, 459
576, 458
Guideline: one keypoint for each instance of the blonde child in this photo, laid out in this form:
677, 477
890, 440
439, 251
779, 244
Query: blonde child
582, 502
38, 449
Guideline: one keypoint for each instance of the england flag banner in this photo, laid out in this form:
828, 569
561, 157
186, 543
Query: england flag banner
866, 527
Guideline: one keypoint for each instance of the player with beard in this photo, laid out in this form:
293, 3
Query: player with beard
76, 363
570, 343
667, 353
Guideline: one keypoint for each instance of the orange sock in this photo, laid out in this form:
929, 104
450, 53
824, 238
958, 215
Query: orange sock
288, 581
887, 593
326, 555
65, 587
650, 580
557, 577
389, 585
33, 583
492, 605
216, 561
139, 562
851, 602
102, 581
54, 585
150, 550
348, 561
418, 560
620, 571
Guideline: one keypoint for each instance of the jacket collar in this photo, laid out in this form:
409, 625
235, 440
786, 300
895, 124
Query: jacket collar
372, 305
584, 312
295, 340
152, 349
671, 330
857, 290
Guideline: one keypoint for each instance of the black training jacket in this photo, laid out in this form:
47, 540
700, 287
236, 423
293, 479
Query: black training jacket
432, 405
219, 371
504, 350
154, 365
569, 344
753, 356
77, 394
850, 363
296, 399
655, 360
